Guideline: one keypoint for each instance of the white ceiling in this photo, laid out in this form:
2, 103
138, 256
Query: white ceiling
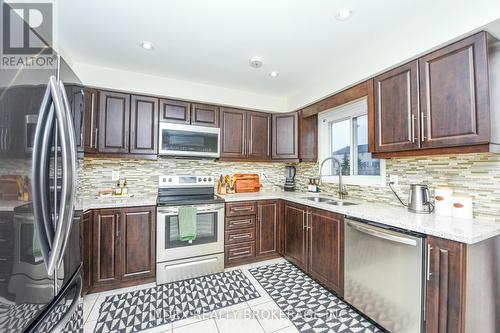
205, 45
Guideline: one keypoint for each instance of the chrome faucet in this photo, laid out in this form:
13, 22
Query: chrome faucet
342, 188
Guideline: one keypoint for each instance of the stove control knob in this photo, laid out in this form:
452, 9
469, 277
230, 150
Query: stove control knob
205, 179
209, 179
170, 180
164, 180
199, 179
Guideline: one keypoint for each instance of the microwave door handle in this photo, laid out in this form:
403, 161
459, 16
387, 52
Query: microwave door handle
40, 167
69, 172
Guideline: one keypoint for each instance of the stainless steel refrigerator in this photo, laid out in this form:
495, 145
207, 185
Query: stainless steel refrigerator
41, 119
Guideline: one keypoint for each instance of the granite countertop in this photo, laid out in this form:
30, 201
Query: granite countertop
468, 231
86, 203
8, 206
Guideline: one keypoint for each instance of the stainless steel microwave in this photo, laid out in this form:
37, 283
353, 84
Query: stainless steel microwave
188, 140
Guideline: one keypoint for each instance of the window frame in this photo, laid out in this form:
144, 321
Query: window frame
347, 111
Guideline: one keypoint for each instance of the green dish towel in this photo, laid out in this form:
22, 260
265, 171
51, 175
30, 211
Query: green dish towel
187, 223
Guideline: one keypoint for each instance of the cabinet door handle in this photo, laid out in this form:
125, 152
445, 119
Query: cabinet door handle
242, 236
429, 251
239, 222
92, 137
422, 125
241, 253
413, 128
96, 131
117, 216
241, 209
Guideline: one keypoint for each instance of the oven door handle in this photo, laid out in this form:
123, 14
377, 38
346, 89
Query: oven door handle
200, 209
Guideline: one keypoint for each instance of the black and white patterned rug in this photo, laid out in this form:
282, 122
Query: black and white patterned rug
14, 318
143, 309
307, 304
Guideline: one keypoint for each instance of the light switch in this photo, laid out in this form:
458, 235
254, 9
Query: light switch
115, 175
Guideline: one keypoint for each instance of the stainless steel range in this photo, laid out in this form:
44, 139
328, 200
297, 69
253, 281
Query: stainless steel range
177, 259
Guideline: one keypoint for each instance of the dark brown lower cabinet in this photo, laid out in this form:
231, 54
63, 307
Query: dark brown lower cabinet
445, 286
267, 227
123, 246
326, 248
86, 243
251, 231
313, 239
138, 243
462, 293
294, 234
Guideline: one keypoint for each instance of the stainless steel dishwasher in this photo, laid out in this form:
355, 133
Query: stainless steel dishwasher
384, 274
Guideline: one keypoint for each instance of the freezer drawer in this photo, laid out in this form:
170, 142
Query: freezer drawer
384, 275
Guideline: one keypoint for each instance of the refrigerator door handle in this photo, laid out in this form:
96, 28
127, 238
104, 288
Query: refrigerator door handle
40, 166
69, 173
57, 130
64, 211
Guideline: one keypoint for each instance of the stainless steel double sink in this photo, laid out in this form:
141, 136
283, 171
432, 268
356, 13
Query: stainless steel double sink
329, 201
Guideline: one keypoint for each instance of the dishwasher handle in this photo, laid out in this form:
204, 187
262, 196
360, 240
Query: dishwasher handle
366, 229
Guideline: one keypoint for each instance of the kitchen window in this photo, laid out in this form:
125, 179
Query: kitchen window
343, 133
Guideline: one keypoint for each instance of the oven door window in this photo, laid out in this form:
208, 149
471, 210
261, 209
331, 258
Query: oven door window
206, 230
175, 140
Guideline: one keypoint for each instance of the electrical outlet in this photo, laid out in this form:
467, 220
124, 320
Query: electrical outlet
115, 175
394, 179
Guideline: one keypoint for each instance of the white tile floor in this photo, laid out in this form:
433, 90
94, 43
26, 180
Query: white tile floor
260, 315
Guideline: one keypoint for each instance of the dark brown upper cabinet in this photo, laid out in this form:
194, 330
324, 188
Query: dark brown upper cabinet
258, 135
144, 125
233, 133
204, 115
396, 109
454, 94
308, 138
90, 133
180, 112
175, 111
285, 136
114, 120
438, 104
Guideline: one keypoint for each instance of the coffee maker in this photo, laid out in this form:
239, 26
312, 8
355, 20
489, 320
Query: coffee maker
290, 178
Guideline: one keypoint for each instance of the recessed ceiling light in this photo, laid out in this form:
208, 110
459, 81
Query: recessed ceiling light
343, 13
274, 74
147, 45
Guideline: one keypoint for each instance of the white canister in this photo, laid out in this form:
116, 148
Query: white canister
442, 201
462, 205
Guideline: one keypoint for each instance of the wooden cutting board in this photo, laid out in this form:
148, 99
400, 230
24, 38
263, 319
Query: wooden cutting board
247, 182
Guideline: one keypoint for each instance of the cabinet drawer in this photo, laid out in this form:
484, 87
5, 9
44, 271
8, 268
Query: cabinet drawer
240, 236
240, 208
240, 252
241, 222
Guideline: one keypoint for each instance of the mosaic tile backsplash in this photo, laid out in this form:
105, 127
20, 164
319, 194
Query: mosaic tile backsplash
476, 174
